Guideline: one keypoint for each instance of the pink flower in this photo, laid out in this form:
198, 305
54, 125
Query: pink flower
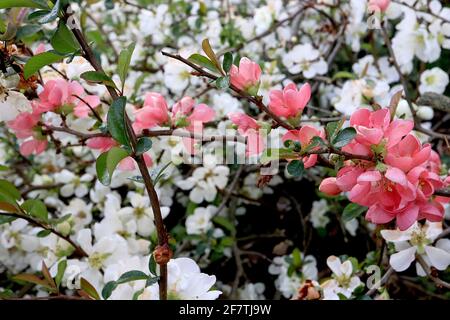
58, 93
186, 114
290, 102
405, 216
248, 127
379, 5
40, 48
329, 186
101, 143
83, 108
432, 211
25, 126
304, 136
154, 112
374, 128
408, 153
243, 122
246, 77
426, 182
128, 164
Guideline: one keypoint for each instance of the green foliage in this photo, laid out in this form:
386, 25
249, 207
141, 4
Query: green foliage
35, 63
296, 168
344, 137
203, 62
124, 62
351, 211
63, 41
98, 77
36, 208
107, 162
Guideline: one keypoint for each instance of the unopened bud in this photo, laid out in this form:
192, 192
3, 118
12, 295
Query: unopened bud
162, 254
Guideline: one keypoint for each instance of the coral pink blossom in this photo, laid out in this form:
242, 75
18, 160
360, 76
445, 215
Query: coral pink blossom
40, 48
379, 5
24, 126
289, 102
101, 143
304, 136
58, 93
154, 112
248, 127
186, 114
84, 105
426, 182
128, 164
408, 153
243, 122
329, 186
433, 211
246, 77
375, 128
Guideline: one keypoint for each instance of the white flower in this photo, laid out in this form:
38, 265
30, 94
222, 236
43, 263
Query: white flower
141, 212
72, 183
103, 252
11, 104
200, 221
318, 214
433, 80
418, 240
288, 284
342, 282
80, 211
185, 282
262, 19
205, 180
252, 291
303, 58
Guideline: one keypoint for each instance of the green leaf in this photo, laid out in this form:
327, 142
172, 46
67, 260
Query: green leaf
344, 137
296, 168
4, 4
108, 289
63, 41
52, 15
223, 82
143, 145
60, 220
331, 129
343, 75
10, 33
6, 219
296, 258
227, 61
203, 61
210, 53
152, 264
43, 233
160, 173
151, 281
351, 211
124, 62
36, 208
37, 14
314, 143
137, 294
98, 77
62, 265
224, 222
107, 162
116, 121
28, 30
39, 61
32, 279
133, 275
89, 289
7, 188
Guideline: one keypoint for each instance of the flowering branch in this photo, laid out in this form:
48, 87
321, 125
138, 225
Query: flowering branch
79, 252
255, 100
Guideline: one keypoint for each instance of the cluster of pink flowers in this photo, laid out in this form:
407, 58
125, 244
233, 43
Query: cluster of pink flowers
57, 96
155, 113
399, 183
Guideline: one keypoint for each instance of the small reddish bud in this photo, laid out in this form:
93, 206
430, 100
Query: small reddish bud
162, 254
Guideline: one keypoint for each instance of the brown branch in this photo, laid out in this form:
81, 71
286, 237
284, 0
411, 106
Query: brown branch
439, 282
435, 101
160, 228
79, 252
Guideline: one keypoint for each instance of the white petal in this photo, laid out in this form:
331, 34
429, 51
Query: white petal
334, 263
400, 261
439, 258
